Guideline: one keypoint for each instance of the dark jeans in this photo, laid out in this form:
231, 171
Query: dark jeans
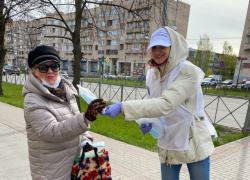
197, 170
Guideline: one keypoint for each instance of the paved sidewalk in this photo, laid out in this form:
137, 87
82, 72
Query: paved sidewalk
229, 162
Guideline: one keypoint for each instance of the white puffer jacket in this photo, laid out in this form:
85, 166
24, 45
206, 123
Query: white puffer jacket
181, 91
53, 127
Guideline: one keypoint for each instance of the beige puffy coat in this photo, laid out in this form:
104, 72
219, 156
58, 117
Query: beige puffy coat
181, 91
53, 128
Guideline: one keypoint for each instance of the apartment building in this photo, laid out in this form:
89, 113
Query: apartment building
113, 40
16, 43
242, 70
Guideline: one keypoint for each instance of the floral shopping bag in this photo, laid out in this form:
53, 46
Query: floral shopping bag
91, 165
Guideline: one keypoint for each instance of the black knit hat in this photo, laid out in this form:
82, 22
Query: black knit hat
42, 53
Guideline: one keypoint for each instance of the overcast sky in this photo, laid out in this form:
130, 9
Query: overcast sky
220, 19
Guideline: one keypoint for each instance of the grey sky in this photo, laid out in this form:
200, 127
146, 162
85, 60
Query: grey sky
221, 19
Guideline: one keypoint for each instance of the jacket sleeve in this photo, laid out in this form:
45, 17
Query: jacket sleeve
180, 90
45, 125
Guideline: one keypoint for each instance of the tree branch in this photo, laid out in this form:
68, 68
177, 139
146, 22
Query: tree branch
52, 25
59, 14
116, 5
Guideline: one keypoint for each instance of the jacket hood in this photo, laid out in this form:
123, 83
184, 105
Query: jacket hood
33, 85
179, 48
178, 51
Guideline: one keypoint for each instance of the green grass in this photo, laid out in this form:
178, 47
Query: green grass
118, 128
226, 135
227, 92
12, 95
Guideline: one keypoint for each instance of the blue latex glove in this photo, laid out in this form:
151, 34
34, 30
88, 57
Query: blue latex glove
145, 127
113, 110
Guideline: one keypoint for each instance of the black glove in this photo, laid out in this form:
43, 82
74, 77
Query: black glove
95, 107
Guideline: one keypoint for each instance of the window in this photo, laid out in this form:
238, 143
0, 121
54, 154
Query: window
113, 32
109, 23
111, 52
136, 46
248, 40
90, 48
121, 46
101, 42
115, 21
114, 42
129, 36
100, 51
101, 33
138, 35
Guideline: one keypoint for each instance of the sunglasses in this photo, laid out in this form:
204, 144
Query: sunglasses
44, 68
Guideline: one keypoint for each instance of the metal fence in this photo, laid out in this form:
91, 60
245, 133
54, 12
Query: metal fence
228, 111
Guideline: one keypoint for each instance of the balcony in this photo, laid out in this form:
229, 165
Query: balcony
135, 51
142, 41
137, 29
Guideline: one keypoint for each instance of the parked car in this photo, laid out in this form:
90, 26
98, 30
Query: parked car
4, 72
239, 85
246, 85
226, 83
209, 82
142, 77
110, 76
216, 77
9, 69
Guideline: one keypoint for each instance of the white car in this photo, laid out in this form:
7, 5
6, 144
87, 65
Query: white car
246, 85
209, 82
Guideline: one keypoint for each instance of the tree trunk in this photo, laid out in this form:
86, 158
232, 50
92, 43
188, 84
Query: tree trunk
77, 46
2, 48
77, 62
76, 65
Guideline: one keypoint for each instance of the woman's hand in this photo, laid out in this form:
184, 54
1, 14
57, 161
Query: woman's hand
113, 110
94, 108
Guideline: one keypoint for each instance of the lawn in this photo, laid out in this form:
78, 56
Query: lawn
118, 128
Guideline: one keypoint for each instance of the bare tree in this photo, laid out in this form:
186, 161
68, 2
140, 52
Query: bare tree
9, 10
83, 10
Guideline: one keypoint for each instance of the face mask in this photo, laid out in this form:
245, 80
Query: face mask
55, 85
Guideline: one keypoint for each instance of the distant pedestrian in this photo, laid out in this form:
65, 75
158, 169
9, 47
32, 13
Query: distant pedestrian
176, 99
53, 120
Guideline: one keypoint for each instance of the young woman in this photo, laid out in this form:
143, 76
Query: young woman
175, 96
53, 121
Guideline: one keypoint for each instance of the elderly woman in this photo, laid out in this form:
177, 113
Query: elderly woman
53, 120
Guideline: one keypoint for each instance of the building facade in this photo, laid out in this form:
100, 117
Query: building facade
16, 42
242, 70
113, 40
